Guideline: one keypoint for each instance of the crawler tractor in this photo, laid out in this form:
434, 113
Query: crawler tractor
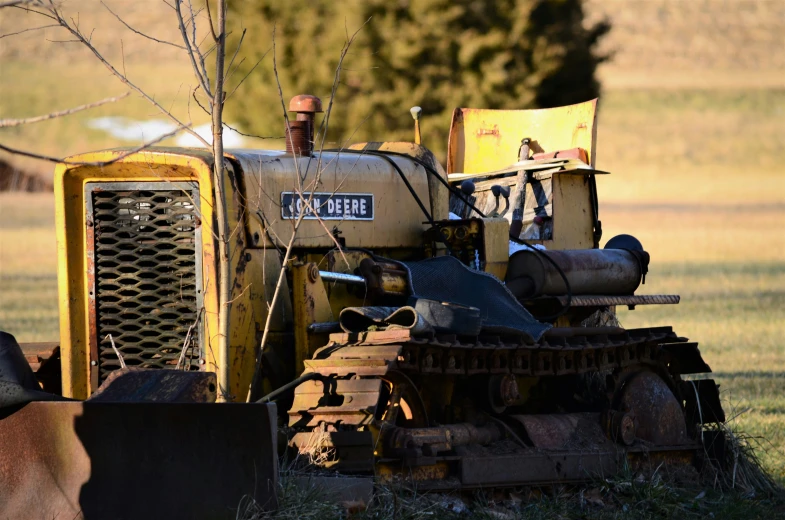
451, 328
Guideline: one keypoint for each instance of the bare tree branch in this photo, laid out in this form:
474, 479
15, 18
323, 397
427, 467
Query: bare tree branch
140, 33
249, 73
27, 30
210, 19
31, 10
6, 123
206, 111
219, 180
230, 70
239, 44
201, 76
197, 46
123, 155
55, 15
253, 135
12, 3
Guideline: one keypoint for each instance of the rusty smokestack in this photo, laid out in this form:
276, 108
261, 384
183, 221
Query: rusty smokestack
299, 135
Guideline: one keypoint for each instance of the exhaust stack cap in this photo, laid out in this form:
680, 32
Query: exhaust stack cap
299, 133
305, 104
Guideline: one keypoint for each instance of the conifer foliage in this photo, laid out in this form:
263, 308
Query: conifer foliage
438, 54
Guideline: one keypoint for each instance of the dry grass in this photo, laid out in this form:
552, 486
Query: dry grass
28, 267
696, 147
696, 43
646, 495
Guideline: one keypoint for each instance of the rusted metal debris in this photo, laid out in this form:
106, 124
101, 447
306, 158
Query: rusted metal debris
18, 383
146, 460
416, 442
140, 385
37, 353
549, 432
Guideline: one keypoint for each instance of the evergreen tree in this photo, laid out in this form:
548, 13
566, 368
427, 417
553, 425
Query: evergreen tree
438, 54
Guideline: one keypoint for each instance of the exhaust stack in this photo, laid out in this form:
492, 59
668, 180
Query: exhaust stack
299, 133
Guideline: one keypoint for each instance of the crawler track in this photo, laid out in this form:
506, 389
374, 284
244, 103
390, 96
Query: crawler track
354, 404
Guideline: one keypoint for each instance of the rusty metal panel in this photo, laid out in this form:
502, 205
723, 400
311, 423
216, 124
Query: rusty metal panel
37, 353
703, 401
396, 223
519, 469
352, 401
143, 460
684, 358
139, 385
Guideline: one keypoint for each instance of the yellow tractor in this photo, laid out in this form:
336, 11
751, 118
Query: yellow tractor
452, 328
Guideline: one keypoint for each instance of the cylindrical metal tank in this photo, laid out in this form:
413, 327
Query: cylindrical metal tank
589, 271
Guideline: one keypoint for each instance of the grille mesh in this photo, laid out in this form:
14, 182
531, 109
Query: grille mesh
147, 291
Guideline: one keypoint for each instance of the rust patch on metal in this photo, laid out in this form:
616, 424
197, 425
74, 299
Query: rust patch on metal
92, 317
619, 426
388, 472
658, 415
481, 132
133, 385
550, 432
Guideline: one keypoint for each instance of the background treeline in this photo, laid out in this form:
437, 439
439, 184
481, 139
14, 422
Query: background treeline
438, 54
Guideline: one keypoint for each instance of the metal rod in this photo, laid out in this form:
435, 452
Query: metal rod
324, 327
289, 386
348, 279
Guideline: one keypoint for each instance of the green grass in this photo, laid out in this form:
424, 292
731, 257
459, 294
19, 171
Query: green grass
736, 312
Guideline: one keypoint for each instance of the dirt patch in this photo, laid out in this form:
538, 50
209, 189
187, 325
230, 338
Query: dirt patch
14, 179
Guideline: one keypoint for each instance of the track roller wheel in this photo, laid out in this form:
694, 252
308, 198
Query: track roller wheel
657, 414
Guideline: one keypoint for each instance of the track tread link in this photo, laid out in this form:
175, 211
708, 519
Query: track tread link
558, 353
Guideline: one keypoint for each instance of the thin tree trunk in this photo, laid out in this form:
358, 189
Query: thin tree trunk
224, 284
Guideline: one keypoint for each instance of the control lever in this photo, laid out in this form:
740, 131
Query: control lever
467, 188
516, 225
416, 113
497, 191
